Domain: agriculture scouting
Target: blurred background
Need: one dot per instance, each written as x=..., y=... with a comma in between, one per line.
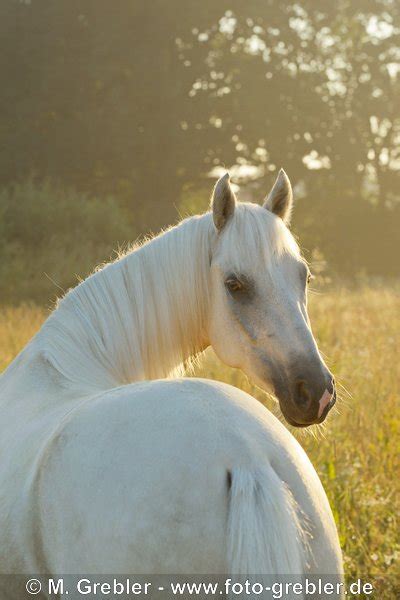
x=116, y=116
x=115, y=120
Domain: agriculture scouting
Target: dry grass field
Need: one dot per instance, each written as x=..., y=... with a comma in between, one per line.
x=357, y=453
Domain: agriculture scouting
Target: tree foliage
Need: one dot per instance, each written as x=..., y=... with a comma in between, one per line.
x=143, y=100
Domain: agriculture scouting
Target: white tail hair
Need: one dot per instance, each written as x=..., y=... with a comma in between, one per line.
x=267, y=533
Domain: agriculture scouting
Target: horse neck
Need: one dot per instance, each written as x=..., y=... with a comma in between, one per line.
x=141, y=317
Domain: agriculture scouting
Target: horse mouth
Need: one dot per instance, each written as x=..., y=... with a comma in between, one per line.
x=294, y=423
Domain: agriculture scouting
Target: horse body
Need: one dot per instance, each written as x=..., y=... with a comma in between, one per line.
x=103, y=471
x=125, y=480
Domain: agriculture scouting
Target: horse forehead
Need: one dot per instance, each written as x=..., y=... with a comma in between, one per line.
x=257, y=248
x=250, y=230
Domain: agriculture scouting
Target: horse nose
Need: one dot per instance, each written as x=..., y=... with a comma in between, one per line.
x=315, y=401
x=302, y=395
x=327, y=400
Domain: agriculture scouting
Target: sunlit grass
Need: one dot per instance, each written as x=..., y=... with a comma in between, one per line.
x=357, y=453
x=17, y=326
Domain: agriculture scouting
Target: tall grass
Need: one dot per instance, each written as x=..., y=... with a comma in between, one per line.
x=357, y=453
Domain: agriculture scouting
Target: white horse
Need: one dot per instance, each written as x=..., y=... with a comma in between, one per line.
x=104, y=471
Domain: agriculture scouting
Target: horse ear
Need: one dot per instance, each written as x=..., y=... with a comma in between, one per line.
x=223, y=202
x=280, y=198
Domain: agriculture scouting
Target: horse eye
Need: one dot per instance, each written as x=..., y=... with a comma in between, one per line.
x=233, y=284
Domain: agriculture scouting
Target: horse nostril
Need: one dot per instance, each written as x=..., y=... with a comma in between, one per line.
x=331, y=386
x=303, y=396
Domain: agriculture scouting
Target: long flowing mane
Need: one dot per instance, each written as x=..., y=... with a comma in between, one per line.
x=140, y=317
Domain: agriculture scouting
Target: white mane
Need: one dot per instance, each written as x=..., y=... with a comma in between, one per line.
x=144, y=316
x=140, y=317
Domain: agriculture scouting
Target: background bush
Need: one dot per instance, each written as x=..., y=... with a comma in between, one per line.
x=50, y=235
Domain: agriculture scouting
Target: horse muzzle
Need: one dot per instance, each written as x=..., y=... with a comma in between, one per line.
x=308, y=404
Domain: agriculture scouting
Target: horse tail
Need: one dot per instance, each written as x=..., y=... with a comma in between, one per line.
x=266, y=532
